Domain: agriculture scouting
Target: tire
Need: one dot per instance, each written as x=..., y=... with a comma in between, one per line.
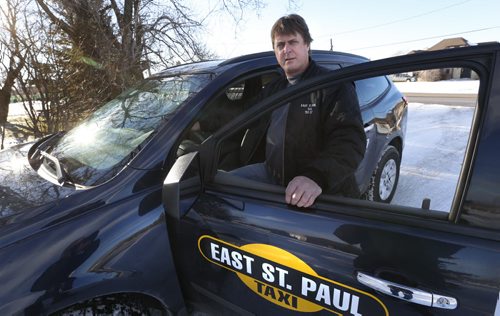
x=384, y=180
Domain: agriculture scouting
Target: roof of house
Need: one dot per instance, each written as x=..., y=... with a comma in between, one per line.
x=450, y=43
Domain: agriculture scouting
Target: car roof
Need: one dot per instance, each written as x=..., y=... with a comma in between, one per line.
x=259, y=59
x=318, y=55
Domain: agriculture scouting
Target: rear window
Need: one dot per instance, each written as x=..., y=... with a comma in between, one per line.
x=331, y=66
x=370, y=89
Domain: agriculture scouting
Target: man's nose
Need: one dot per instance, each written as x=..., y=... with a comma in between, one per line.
x=286, y=49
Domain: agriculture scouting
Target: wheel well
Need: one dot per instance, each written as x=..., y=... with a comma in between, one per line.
x=105, y=305
x=398, y=144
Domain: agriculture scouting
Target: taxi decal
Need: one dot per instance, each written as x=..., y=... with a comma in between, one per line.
x=285, y=280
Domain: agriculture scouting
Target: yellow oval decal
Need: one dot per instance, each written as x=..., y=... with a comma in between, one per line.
x=282, y=278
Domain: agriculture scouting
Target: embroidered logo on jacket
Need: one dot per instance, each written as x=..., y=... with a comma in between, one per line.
x=308, y=108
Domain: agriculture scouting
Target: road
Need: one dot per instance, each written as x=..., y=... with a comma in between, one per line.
x=461, y=92
x=459, y=99
x=436, y=139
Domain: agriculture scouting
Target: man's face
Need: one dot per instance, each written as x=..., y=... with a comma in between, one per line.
x=292, y=53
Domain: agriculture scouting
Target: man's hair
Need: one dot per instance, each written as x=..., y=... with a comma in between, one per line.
x=289, y=25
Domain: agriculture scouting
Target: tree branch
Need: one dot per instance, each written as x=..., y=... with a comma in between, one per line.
x=60, y=23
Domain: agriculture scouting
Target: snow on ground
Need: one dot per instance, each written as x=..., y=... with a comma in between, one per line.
x=17, y=109
x=436, y=138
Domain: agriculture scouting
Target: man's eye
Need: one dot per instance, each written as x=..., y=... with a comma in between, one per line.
x=280, y=46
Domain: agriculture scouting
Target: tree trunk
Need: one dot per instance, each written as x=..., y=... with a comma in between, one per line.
x=4, y=104
x=4, y=112
x=3, y=135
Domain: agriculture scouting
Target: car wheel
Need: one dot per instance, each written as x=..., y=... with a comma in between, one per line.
x=385, y=178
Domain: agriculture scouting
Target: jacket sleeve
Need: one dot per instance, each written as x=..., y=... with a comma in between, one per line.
x=343, y=139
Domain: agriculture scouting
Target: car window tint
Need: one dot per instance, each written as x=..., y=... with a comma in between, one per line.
x=370, y=89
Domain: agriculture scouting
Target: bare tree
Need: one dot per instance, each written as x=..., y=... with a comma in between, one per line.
x=12, y=58
x=44, y=81
x=122, y=39
x=82, y=53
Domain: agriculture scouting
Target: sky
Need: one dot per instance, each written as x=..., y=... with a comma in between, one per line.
x=372, y=28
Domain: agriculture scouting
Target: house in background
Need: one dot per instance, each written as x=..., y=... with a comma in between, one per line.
x=447, y=73
x=450, y=43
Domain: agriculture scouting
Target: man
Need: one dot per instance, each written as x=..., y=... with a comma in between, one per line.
x=315, y=143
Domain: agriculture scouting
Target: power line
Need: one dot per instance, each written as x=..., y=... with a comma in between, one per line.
x=401, y=20
x=426, y=38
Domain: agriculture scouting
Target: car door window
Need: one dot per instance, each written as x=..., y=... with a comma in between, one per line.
x=441, y=114
x=416, y=139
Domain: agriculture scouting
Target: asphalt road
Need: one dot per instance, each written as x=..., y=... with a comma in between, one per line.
x=458, y=99
x=436, y=140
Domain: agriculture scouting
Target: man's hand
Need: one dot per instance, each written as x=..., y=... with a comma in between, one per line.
x=302, y=191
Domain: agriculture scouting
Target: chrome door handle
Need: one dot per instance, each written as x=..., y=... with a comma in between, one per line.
x=407, y=293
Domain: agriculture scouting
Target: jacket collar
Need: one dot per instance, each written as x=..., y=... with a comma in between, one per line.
x=311, y=70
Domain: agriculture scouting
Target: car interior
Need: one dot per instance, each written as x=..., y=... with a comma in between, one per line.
x=222, y=109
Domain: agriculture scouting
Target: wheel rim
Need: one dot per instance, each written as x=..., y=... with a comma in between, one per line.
x=387, y=179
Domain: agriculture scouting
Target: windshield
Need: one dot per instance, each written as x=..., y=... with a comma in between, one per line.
x=101, y=145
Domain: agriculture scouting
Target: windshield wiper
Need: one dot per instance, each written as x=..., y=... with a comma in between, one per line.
x=61, y=174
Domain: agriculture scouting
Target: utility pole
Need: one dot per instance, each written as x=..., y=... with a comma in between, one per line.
x=331, y=44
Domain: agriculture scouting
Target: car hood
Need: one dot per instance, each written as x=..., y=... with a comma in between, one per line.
x=21, y=188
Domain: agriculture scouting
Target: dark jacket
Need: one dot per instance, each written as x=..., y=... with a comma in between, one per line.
x=324, y=139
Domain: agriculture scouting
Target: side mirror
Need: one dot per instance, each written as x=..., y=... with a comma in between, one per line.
x=182, y=186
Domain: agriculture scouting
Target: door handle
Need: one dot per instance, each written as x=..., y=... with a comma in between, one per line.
x=407, y=293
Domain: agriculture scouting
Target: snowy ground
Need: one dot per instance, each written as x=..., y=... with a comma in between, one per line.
x=17, y=109
x=436, y=139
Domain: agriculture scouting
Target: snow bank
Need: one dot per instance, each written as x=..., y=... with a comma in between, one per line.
x=17, y=109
